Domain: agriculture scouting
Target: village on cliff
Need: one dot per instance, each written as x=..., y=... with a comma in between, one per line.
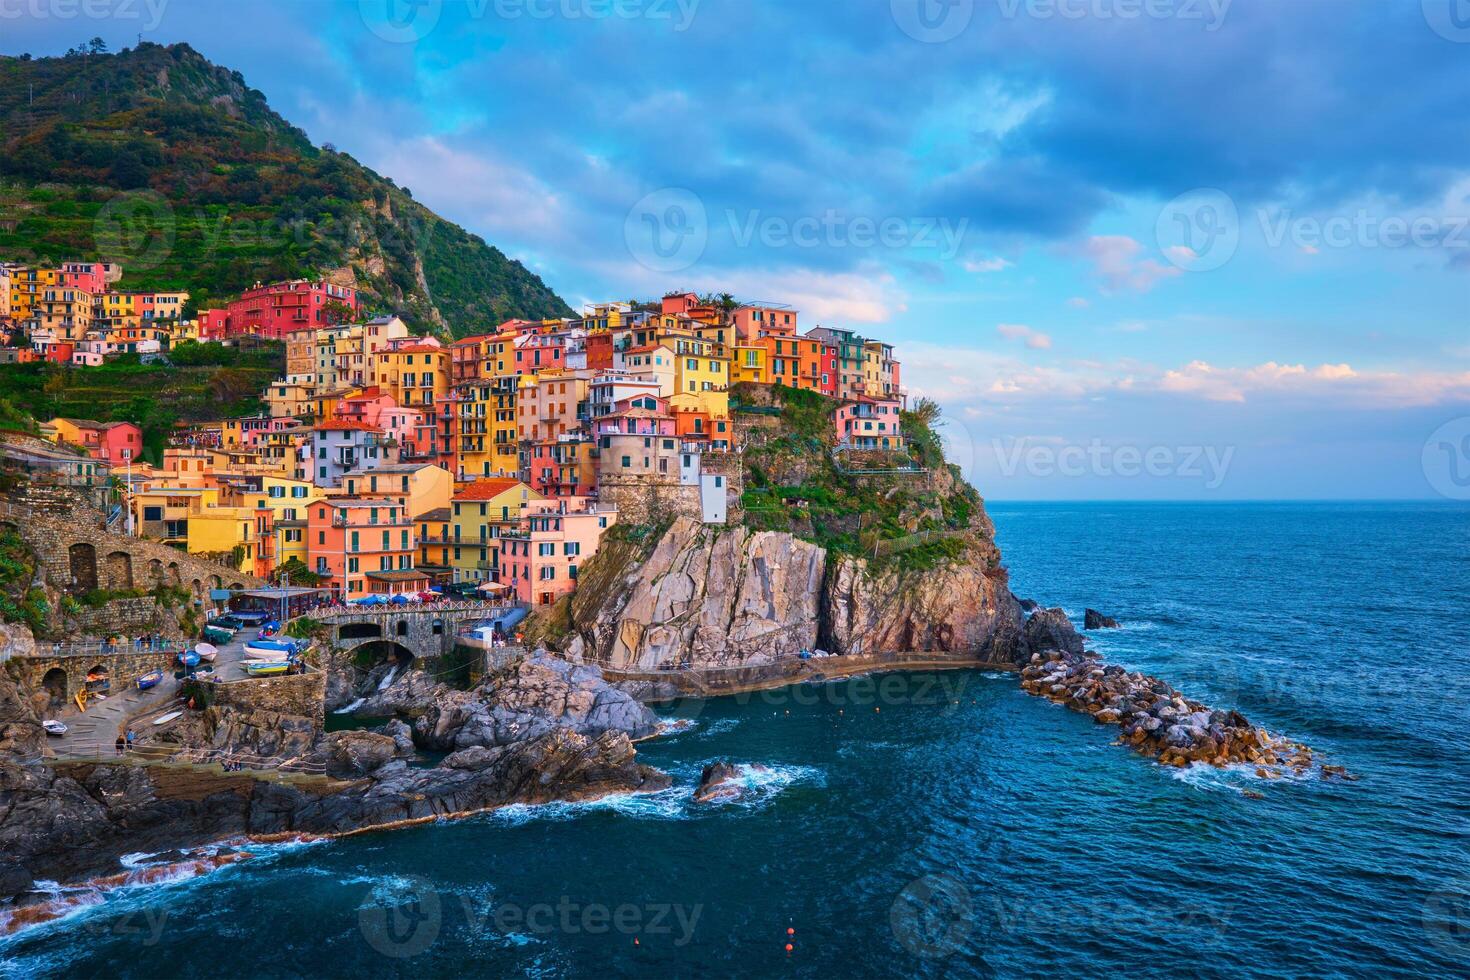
x=389, y=464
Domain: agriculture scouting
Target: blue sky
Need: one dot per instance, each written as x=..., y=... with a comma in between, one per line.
x=1135, y=248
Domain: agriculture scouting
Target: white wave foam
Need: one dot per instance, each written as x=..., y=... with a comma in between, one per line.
x=350, y=708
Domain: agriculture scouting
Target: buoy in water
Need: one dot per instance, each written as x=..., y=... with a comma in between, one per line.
x=790, y=931
x=789, y=947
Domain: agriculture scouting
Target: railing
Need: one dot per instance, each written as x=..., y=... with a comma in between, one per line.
x=98, y=648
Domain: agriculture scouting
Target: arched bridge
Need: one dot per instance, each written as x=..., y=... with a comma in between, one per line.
x=426, y=630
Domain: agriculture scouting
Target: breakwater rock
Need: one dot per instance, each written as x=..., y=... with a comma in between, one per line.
x=1158, y=720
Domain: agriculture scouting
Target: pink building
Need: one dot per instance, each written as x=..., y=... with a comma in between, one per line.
x=753, y=321
x=93, y=277
x=556, y=538
x=864, y=422
x=279, y=308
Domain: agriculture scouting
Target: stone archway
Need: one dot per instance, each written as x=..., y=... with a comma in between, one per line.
x=382, y=651
x=359, y=631
x=54, y=683
x=82, y=558
x=198, y=588
x=215, y=582
x=173, y=574
x=118, y=570
x=402, y=628
x=155, y=572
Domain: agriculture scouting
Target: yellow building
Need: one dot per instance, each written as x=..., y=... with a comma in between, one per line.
x=415, y=375
x=65, y=312
x=290, y=397
x=750, y=364
x=417, y=487
x=480, y=511
x=282, y=536
x=28, y=287
x=220, y=530
x=163, y=509
x=432, y=534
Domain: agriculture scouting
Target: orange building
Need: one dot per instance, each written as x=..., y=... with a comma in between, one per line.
x=363, y=546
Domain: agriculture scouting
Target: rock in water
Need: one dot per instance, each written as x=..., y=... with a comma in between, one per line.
x=1050, y=629
x=526, y=700
x=715, y=782
x=1094, y=620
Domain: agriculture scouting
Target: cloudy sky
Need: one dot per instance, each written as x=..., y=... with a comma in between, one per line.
x=1135, y=248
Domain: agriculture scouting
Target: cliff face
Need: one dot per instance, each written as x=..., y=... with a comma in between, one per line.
x=724, y=597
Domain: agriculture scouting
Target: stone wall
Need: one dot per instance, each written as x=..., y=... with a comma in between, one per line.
x=129, y=617
x=123, y=668
x=648, y=501
x=75, y=553
x=303, y=695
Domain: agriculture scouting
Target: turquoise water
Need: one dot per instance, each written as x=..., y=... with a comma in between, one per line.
x=964, y=828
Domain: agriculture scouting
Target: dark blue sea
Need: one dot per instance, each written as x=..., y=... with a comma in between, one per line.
x=951, y=825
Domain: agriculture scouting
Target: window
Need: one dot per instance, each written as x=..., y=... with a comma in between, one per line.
x=571, y=548
x=548, y=572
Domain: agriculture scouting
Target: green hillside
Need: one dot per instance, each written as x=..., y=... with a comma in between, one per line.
x=175, y=167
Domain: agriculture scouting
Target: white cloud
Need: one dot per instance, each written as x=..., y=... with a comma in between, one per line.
x=1117, y=260
x=1034, y=339
x=995, y=264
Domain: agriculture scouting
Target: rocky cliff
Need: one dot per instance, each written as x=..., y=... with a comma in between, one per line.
x=706, y=596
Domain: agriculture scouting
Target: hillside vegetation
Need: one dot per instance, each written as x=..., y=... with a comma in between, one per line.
x=175, y=167
x=205, y=381
x=794, y=483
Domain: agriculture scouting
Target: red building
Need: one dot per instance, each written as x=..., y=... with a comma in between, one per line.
x=278, y=309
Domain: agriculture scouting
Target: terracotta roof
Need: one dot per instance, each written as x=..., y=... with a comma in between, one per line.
x=346, y=425
x=487, y=489
x=420, y=349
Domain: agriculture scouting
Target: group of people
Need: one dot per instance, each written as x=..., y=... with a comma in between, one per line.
x=124, y=742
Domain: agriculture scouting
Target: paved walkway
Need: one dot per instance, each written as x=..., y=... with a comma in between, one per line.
x=94, y=732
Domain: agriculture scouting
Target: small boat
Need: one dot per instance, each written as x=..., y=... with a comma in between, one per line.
x=266, y=668
x=225, y=623
x=218, y=634
x=272, y=649
x=249, y=617
x=165, y=719
x=151, y=679
x=207, y=652
x=54, y=728
x=189, y=658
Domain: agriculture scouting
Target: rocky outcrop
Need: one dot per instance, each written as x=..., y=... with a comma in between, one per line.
x=526, y=700
x=731, y=597
x=716, y=782
x=1050, y=629
x=1094, y=620
x=958, y=608
x=711, y=596
x=1159, y=721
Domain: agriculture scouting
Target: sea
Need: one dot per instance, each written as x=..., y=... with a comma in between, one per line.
x=950, y=825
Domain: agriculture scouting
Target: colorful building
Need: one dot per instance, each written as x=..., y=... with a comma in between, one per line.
x=363, y=546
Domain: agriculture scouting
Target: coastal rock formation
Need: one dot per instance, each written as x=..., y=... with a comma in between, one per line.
x=1050, y=629
x=710, y=596
x=526, y=700
x=1155, y=718
x=716, y=782
x=1094, y=620
x=730, y=597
